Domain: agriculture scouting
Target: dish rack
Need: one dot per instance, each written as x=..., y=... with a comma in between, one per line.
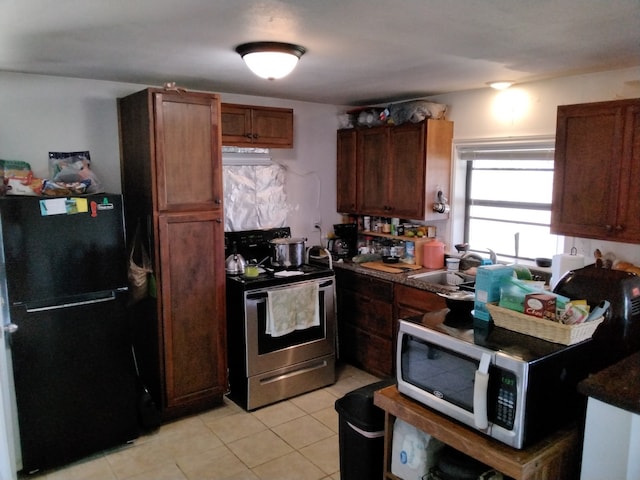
x=541, y=328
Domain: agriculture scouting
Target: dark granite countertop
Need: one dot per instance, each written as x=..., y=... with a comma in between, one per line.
x=401, y=278
x=617, y=385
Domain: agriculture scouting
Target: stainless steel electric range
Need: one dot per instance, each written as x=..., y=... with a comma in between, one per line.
x=280, y=325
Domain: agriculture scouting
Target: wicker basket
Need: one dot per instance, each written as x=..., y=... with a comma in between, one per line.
x=542, y=328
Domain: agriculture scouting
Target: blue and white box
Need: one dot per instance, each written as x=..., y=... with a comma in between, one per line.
x=488, y=280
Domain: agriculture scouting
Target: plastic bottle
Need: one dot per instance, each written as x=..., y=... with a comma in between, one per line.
x=433, y=254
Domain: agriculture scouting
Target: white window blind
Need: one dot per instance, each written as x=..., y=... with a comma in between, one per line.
x=508, y=197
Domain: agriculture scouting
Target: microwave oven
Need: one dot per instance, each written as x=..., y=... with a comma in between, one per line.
x=512, y=387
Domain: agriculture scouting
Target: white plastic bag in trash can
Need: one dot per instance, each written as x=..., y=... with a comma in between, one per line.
x=364, y=433
x=414, y=452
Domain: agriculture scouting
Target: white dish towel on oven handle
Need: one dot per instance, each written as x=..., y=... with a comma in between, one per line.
x=292, y=308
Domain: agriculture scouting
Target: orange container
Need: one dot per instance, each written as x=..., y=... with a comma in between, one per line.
x=433, y=254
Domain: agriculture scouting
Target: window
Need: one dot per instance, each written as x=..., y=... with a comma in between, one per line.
x=508, y=192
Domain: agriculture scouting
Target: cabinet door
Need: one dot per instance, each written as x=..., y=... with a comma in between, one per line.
x=346, y=172
x=586, y=176
x=187, y=153
x=411, y=301
x=193, y=307
x=373, y=171
x=627, y=227
x=407, y=173
x=236, y=124
x=272, y=127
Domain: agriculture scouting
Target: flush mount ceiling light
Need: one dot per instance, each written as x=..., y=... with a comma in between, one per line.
x=500, y=84
x=270, y=60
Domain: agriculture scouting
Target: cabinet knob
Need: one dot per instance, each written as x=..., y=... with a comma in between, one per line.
x=608, y=228
x=218, y=220
x=249, y=136
x=255, y=135
x=217, y=201
x=619, y=228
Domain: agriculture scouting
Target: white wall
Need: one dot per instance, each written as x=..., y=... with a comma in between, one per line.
x=39, y=114
x=530, y=110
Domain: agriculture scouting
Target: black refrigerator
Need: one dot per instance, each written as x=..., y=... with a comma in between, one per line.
x=64, y=268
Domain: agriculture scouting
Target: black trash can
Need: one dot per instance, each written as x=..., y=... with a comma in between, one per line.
x=361, y=433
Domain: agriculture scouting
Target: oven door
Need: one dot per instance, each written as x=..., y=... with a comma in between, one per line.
x=266, y=352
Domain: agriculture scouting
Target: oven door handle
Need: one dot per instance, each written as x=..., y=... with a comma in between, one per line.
x=263, y=294
x=480, y=388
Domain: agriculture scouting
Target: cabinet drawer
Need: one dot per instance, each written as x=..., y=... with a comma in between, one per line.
x=367, y=351
x=417, y=299
x=366, y=313
x=365, y=285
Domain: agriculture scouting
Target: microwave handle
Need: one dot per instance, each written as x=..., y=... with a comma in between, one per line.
x=480, y=387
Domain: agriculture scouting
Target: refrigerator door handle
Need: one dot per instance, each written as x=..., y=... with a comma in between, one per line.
x=110, y=298
x=10, y=328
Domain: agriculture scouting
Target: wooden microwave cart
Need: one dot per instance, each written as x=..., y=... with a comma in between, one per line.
x=553, y=458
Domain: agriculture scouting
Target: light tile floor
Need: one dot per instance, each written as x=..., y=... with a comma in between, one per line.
x=294, y=439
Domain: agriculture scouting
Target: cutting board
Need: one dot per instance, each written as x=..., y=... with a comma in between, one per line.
x=391, y=267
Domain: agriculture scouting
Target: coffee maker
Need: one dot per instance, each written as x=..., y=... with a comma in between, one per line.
x=345, y=243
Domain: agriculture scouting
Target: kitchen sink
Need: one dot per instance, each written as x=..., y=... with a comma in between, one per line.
x=440, y=277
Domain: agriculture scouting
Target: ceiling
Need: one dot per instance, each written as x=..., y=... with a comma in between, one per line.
x=359, y=52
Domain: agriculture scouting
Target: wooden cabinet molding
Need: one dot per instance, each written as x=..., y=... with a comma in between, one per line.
x=247, y=125
x=596, y=192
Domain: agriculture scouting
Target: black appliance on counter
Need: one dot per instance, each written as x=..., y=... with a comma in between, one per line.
x=345, y=245
x=619, y=335
x=265, y=368
x=64, y=282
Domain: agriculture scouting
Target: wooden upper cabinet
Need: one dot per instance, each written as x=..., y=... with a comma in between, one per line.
x=246, y=125
x=399, y=169
x=346, y=172
x=187, y=153
x=372, y=170
x=596, y=192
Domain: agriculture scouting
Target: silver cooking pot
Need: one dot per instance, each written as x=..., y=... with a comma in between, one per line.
x=287, y=252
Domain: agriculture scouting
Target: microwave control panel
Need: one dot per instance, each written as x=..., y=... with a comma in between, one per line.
x=505, y=407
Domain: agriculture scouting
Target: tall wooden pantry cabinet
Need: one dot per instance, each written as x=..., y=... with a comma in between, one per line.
x=172, y=184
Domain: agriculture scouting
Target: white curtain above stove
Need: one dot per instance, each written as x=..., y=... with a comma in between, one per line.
x=254, y=197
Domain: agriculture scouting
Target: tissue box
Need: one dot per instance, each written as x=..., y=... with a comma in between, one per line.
x=541, y=305
x=488, y=279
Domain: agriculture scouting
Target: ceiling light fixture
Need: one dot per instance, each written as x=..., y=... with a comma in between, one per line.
x=500, y=85
x=270, y=60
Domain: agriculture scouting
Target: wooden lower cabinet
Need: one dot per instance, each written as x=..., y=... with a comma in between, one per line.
x=365, y=322
x=556, y=457
x=411, y=301
x=193, y=299
x=368, y=313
